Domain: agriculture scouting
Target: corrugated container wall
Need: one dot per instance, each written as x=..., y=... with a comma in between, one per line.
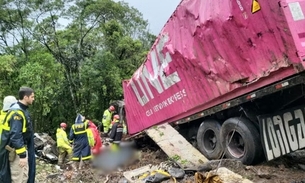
x=211, y=51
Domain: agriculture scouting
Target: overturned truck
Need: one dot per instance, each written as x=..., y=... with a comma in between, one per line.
x=228, y=75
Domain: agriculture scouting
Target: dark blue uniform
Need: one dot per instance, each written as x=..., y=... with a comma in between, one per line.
x=17, y=133
x=78, y=135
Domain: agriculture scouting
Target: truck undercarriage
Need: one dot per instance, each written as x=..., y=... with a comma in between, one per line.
x=270, y=123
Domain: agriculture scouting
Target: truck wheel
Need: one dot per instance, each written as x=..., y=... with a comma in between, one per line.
x=208, y=139
x=245, y=144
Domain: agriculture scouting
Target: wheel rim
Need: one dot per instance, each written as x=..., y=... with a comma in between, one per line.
x=209, y=140
x=236, y=146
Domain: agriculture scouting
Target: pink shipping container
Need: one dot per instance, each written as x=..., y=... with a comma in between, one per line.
x=212, y=51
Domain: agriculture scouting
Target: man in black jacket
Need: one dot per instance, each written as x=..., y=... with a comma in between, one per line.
x=18, y=138
x=116, y=133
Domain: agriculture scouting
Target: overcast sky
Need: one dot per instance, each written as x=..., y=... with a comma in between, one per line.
x=157, y=12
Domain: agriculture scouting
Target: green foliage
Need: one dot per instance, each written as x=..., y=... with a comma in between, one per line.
x=7, y=69
x=73, y=68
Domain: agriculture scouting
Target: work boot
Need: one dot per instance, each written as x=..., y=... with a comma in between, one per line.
x=61, y=158
x=60, y=161
x=81, y=164
x=69, y=159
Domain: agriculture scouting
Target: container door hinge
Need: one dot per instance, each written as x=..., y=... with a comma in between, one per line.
x=282, y=4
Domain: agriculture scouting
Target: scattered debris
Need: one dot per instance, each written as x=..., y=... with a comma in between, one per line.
x=150, y=158
x=123, y=180
x=52, y=176
x=302, y=181
x=176, y=172
x=302, y=166
x=282, y=167
x=107, y=178
x=155, y=176
x=45, y=147
x=133, y=175
x=227, y=176
x=265, y=175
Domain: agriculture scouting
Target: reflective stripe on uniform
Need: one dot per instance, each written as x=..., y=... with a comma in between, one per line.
x=86, y=157
x=119, y=130
x=6, y=126
x=2, y=117
x=80, y=128
x=21, y=150
x=83, y=158
x=75, y=158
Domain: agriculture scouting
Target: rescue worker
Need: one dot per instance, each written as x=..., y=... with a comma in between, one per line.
x=8, y=101
x=63, y=144
x=116, y=118
x=17, y=154
x=107, y=119
x=116, y=133
x=98, y=143
x=82, y=141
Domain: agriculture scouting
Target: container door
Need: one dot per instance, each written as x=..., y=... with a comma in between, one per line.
x=295, y=15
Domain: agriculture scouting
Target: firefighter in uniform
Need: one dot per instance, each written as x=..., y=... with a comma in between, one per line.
x=82, y=139
x=116, y=133
x=116, y=118
x=17, y=153
x=63, y=144
x=107, y=119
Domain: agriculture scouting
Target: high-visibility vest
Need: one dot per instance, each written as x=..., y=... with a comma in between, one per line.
x=62, y=139
x=82, y=128
x=116, y=121
x=5, y=125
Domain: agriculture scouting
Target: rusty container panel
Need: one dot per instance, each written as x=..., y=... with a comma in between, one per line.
x=211, y=51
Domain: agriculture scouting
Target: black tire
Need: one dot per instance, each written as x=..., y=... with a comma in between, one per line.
x=208, y=139
x=245, y=144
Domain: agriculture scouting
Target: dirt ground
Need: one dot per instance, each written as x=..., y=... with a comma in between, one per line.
x=288, y=169
x=49, y=173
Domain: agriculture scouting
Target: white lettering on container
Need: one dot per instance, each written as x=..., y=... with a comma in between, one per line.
x=158, y=77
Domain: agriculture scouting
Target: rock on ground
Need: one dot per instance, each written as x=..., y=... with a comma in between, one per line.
x=227, y=176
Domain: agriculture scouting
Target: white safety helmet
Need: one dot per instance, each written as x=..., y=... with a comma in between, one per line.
x=8, y=101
